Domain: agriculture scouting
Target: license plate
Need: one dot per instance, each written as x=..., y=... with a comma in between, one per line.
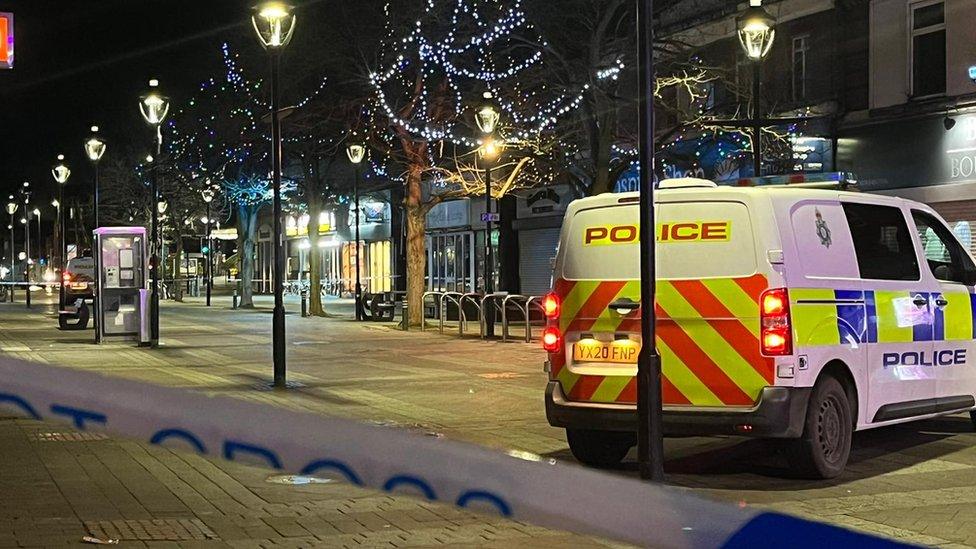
x=621, y=352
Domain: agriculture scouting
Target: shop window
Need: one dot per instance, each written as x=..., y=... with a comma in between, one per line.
x=882, y=242
x=928, y=43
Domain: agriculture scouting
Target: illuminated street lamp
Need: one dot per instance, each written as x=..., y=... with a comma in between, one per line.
x=154, y=107
x=11, y=210
x=356, y=152
x=25, y=192
x=756, y=35
x=61, y=173
x=487, y=116
x=487, y=119
x=208, y=196
x=95, y=149
x=274, y=24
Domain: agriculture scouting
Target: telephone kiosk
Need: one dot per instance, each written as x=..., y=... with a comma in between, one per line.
x=121, y=288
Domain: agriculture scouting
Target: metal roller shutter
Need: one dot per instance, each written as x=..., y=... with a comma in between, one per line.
x=537, y=249
x=958, y=214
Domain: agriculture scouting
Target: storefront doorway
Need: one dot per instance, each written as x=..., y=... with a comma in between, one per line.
x=451, y=262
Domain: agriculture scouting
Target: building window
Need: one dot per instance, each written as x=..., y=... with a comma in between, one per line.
x=800, y=48
x=928, y=44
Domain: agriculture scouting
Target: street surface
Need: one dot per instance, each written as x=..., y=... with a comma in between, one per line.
x=916, y=482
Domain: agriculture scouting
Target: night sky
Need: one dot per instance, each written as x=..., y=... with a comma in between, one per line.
x=85, y=62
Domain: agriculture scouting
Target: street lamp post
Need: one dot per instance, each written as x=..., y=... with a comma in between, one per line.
x=650, y=434
x=756, y=35
x=94, y=149
x=25, y=192
x=487, y=119
x=61, y=173
x=208, y=196
x=11, y=210
x=154, y=108
x=356, y=152
x=40, y=244
x=274, y=24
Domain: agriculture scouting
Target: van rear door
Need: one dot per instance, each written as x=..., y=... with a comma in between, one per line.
x=708, y=305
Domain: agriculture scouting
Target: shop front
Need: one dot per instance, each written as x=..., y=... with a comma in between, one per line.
x=926, y=159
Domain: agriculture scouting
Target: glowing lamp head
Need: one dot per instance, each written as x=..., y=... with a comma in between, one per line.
x=37, y=211
x=22, y=256
x=487, y=116
x=274, y=24
x=356, y=152
x=61, y=173
x=756, y=32
x=94, y=147
x=55, y=203
x=12, y=207
x=162, y=206
x=491, y=149
x=208, y=195
x=154, y=106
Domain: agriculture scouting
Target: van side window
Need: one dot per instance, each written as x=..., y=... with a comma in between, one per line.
x=882, y=242
x=946, y=258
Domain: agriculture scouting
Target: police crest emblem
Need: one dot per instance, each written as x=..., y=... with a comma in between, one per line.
x=823, y=231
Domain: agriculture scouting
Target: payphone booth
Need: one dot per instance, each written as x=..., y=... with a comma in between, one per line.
x=121, y=274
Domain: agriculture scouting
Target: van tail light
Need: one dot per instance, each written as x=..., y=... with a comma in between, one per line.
x=776, y=337
x=551, y=305
x=552, y=339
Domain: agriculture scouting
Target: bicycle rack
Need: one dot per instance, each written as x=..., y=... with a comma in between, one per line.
x=452, y=297
x=524, y=304
x=492, y=301
x=438, y=298
x=474, y=299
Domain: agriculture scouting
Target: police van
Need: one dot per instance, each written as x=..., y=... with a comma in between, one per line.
x=782, y=312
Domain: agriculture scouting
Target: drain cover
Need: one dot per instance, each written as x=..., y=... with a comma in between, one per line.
x=297, y=480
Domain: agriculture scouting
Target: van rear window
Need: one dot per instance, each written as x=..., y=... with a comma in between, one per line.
x=694, y=240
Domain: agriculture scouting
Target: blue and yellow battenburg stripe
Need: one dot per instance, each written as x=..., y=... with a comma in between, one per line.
x=824, y=316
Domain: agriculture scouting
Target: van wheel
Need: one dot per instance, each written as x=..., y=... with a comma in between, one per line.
x=599, y=448
x=823, y=449
x=81, y=319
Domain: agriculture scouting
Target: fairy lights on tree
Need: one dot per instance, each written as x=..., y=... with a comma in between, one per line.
x=424, y=98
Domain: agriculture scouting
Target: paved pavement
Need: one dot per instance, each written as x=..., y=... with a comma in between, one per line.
x=915, y=482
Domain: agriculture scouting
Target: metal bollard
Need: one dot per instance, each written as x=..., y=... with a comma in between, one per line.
x=235, y=298
x=406, y=317
x=27, y=290
x=304, y=303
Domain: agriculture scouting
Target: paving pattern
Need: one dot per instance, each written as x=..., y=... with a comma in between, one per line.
x=915, y=482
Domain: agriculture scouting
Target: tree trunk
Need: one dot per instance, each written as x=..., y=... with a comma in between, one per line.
x=313, y=196
x=416, y=213
x=178, y=271
x=247, y=228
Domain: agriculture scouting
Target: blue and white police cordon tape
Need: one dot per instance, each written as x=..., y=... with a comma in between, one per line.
x=548, y=494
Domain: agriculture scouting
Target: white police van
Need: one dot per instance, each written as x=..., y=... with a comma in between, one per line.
x=783, y=312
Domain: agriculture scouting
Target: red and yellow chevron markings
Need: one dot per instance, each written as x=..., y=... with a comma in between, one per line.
x=707, y=336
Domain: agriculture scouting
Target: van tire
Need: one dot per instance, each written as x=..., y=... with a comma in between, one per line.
x=599, y=448
x=825, y=446
x=81, y=319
